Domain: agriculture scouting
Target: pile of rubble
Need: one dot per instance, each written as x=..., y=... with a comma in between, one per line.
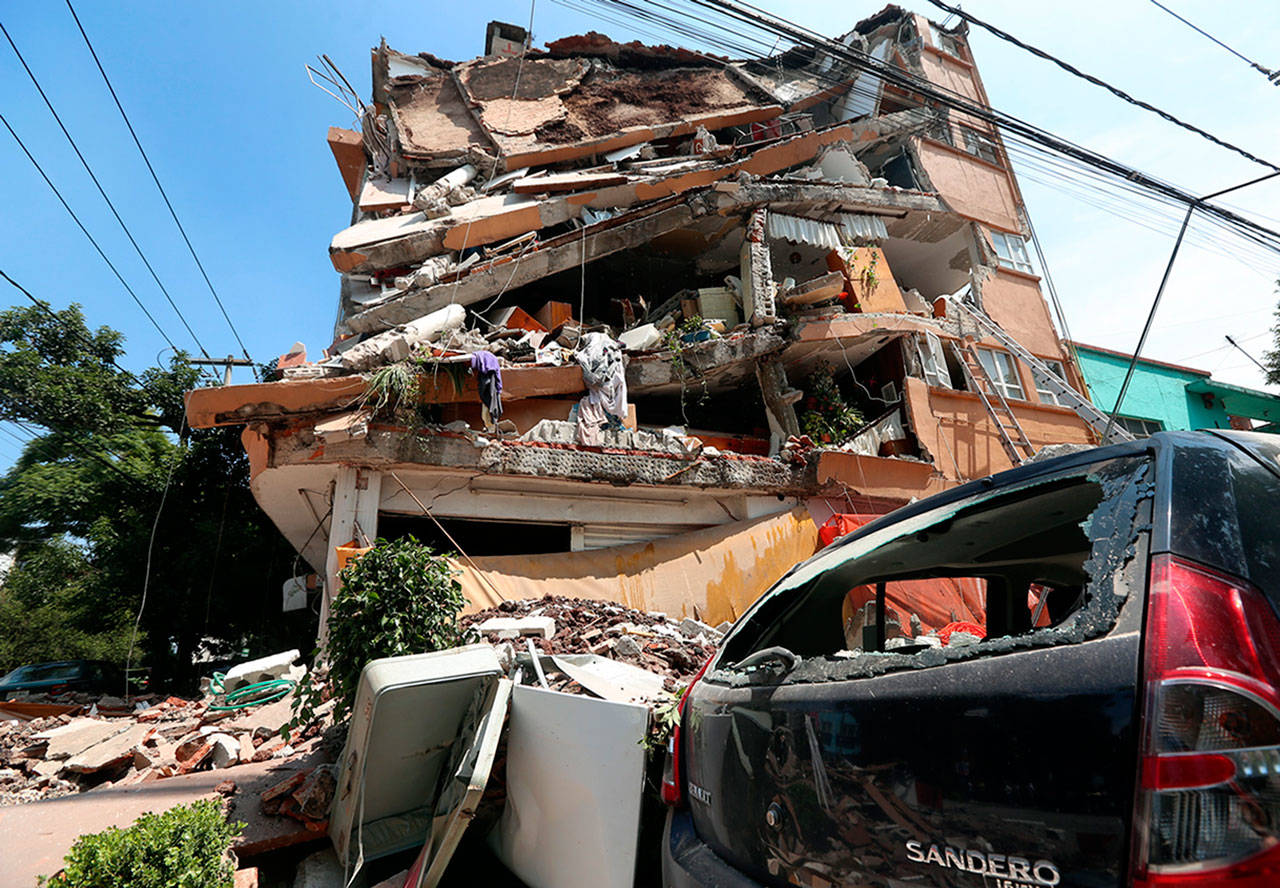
x=71, y=743
x=64, y=754
x=673, y=649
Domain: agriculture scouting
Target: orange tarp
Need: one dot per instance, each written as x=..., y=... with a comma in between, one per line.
x=713, y=574
x=936, y=601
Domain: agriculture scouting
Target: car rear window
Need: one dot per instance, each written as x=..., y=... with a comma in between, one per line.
x=1257, y=496
x=45, y=672
x=1036, y=563
x=1225, y=510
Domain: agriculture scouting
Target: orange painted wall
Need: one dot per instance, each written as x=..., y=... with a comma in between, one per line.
x=959, y=433
x=1017, y=305
x=972, y=188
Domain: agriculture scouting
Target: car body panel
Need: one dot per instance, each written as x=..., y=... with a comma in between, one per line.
x=950, y=775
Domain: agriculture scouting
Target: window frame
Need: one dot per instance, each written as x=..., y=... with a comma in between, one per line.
x=976, y=141
x=1011, y=251
x=1128, y=423
x=1046, y=396
x=1010, y=385
x=933, y=360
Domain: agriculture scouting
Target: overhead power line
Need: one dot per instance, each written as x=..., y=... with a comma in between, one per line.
x=88, y=169
x=80, y=224
x=929, y=92
x=1088, y=183
x=45, y=307
x=1273, y=76
x=1097, y=81
x=155, y=178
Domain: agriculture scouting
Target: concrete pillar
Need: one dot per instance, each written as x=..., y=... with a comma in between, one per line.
x=357, y=493
x=757, y=272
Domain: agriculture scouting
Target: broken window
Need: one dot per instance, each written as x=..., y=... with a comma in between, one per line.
x=1044, y=562
x=981, y=145
x=933, y=360
x=1045, y=394
x=1003, y=371
x=940, y=128
x=900, y=173
x=1140, y=428
x=1011, y=251
x=948, y=44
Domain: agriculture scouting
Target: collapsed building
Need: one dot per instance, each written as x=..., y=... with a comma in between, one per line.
x=630, y=322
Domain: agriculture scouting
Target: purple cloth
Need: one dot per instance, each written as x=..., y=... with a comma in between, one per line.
x=485, y=362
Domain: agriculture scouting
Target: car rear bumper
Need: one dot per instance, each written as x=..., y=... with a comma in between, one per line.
x=688, y=862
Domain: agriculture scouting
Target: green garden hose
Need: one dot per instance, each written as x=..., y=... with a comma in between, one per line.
x=249, y=695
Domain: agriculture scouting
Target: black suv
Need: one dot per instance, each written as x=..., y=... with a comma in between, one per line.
x=1065, y=674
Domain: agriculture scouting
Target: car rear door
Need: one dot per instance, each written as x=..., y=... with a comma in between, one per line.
x=1007, y=761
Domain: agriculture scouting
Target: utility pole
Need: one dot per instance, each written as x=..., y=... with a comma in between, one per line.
x=1155, y=304
x=1247, y=355
x=228, y=362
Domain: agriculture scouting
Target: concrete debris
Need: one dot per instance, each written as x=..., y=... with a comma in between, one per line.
x=264, y=669
x=652, y=642
x=151, y=738
x=320, y=870
x=226, y=750
x=514, y=627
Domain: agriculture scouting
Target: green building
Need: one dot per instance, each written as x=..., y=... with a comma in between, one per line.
x=1165, y=396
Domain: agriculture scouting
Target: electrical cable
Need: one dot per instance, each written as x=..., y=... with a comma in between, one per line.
x=1001, y=138
x=129, y=234
x=891, y=74
x=80, y=224
x=155, y=178
x=1097, y=81
x=44, y=306
x=1273, y=76
x=151, y=542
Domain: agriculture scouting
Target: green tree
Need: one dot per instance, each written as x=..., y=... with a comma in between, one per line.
x=113, y=465
x=1272, y=358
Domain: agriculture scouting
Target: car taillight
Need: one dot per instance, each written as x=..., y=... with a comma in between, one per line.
x=1208, y=808
x=673, y=774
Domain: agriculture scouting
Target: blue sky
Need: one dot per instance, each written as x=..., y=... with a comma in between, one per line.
x=220, y=100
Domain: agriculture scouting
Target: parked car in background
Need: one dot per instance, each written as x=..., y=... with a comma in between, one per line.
x=89, y=676
x=1065, y=674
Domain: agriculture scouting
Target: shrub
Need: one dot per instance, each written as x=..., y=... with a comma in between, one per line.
x=185, y=847
x=828, y=419
x=398, y=598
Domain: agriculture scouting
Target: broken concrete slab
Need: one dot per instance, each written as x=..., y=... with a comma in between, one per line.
x=226, y=750
x=109, y=752
x=79, y=735
x=209, y=407
x=610, y=679
x=561, y=253
x=396, y=345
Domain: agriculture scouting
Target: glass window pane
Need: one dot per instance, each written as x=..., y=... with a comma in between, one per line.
x=1046, y=396
x=1011, y=251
